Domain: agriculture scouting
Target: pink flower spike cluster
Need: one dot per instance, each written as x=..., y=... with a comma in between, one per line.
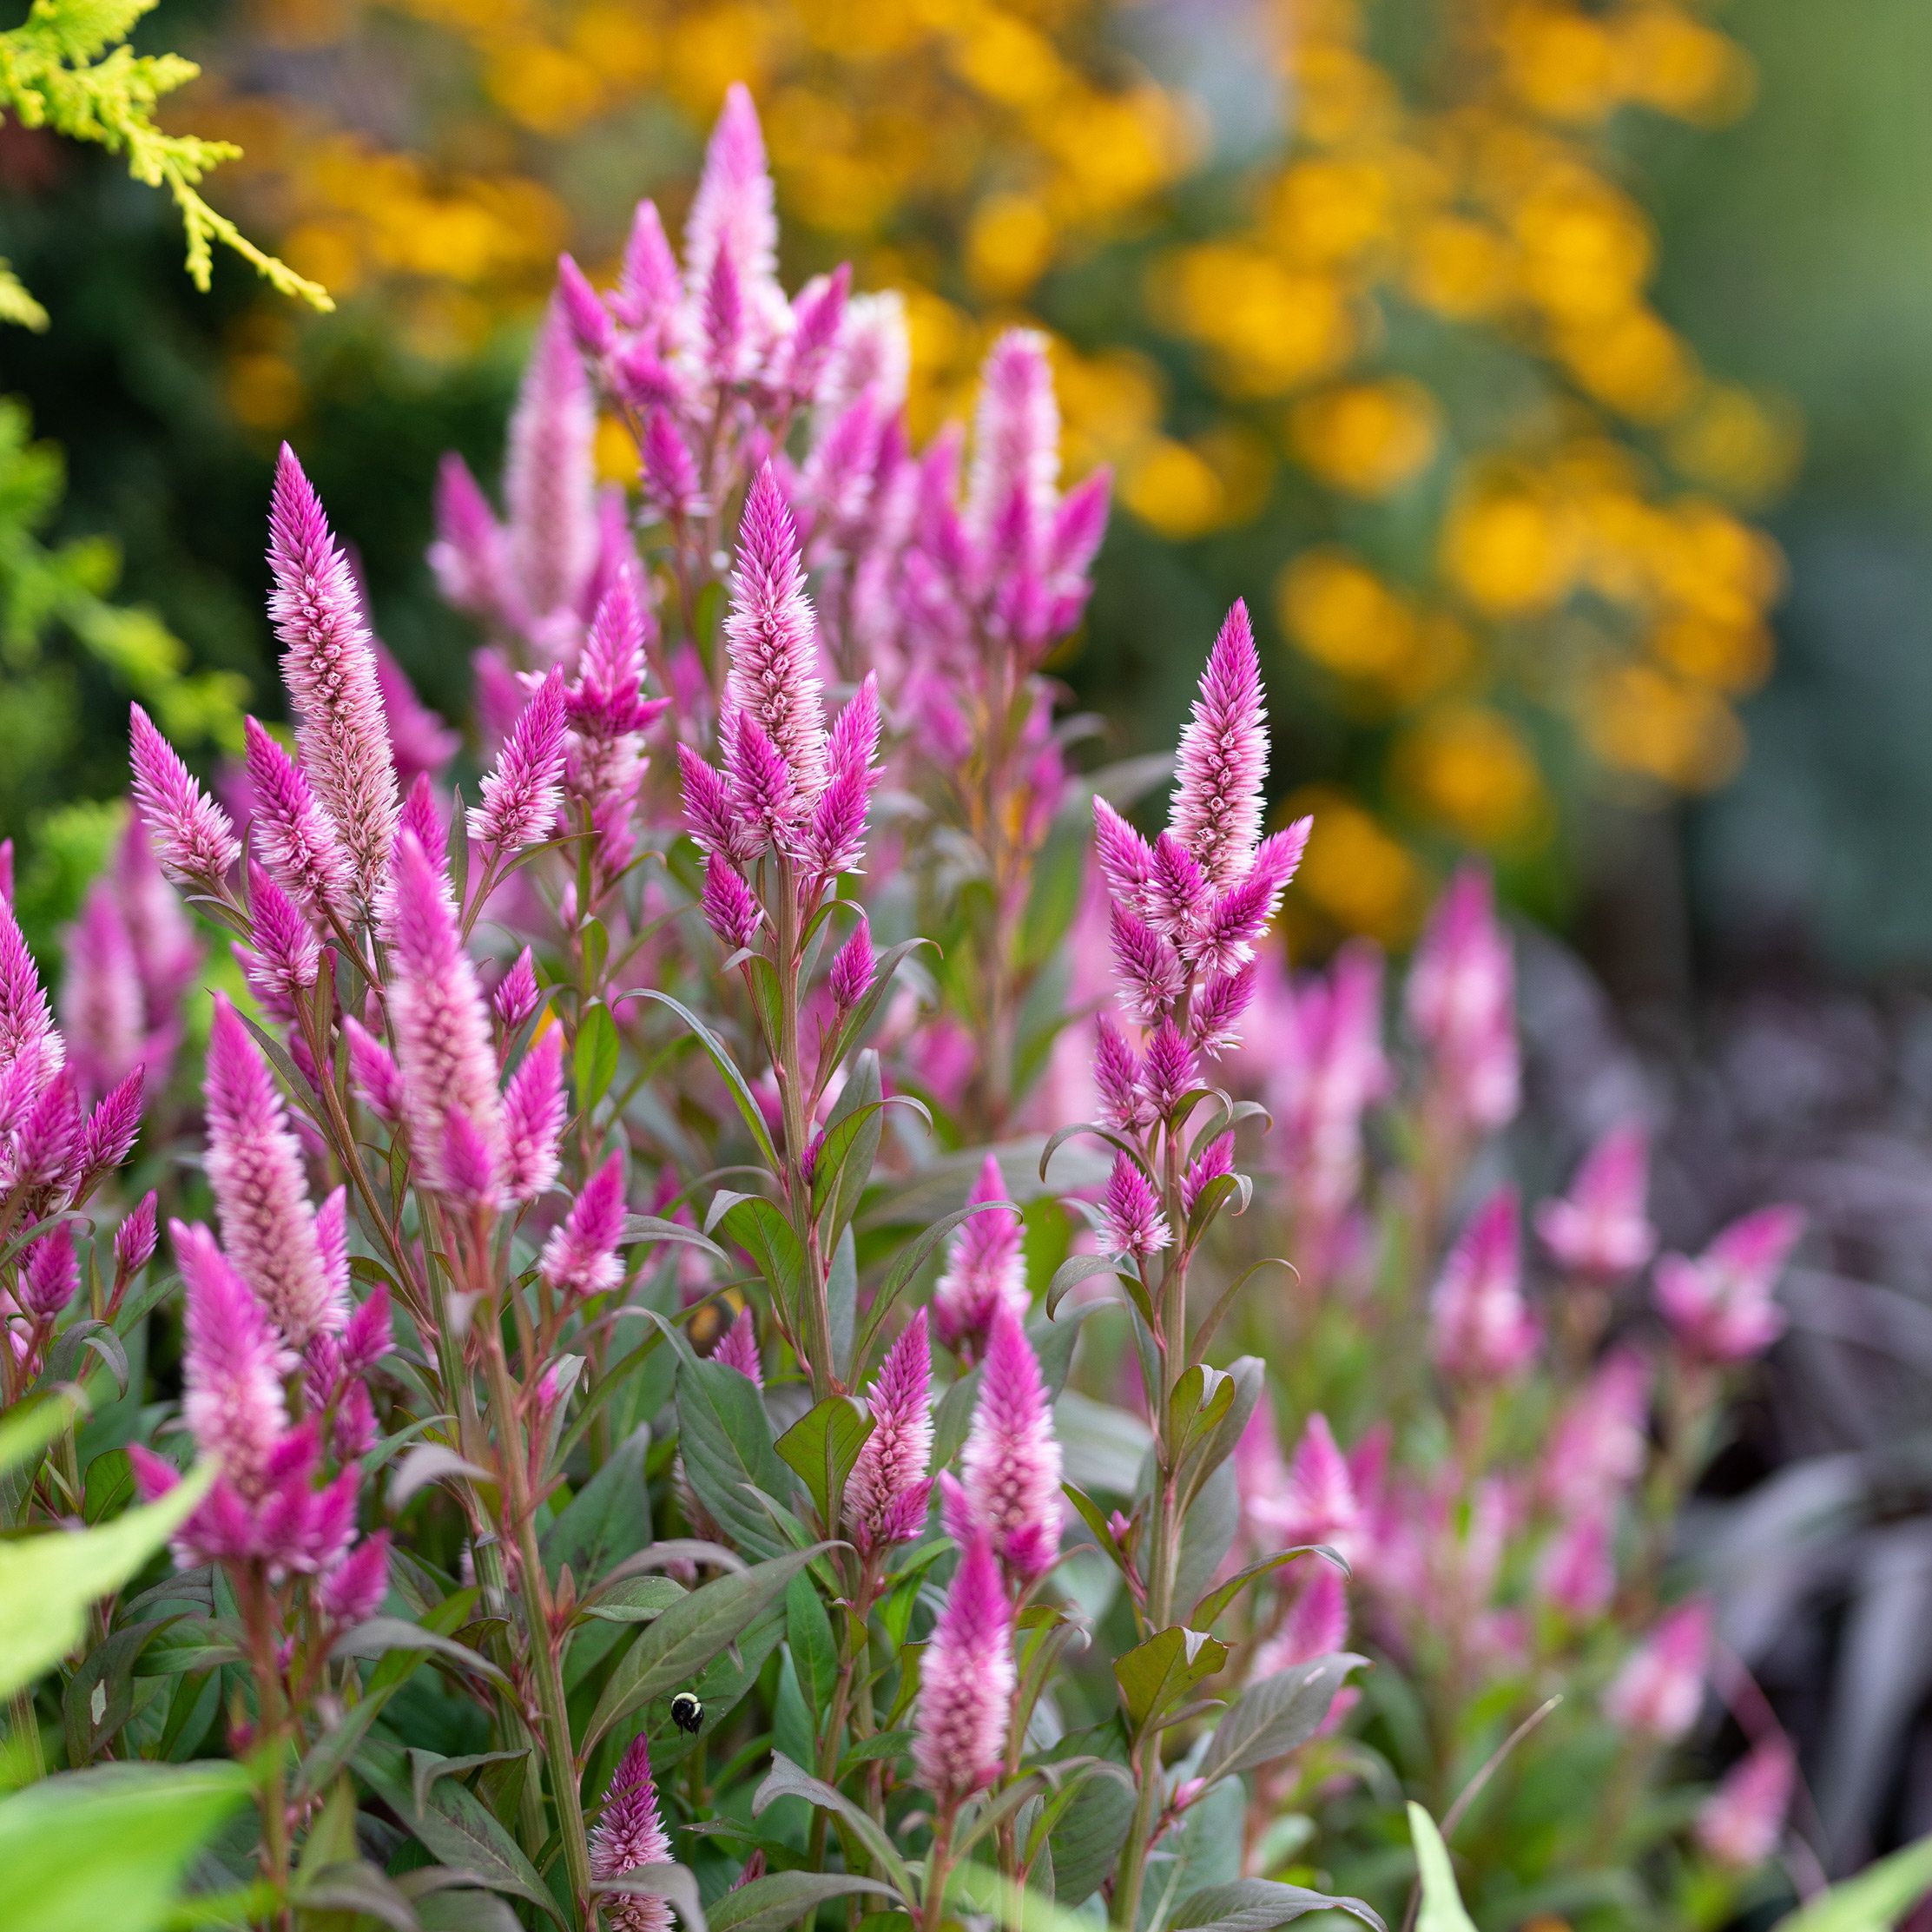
x=986, y=1271
x=967, y=1681
x=1599, y=1230
x=1008, y=1491
x=1462, y=1007
x=1481, y=1331
x=630, y=1832
x=887, y=1494
x=1720, y=1306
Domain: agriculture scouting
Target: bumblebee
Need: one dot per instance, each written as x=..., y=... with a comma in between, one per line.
x=687, y=1713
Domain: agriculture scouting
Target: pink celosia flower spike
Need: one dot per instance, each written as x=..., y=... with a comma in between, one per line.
x=1721, y=1307
x=192, y=836
x=1482, y=1332
x=1318, y=1502
x=442, y=1031
x=549, y=474
x=330, y=670
x=533, y=1112
x=298, y=844
x=582, y=1256
x=966, y=1686
x=30, y=1047
x=773, y=636
x=1598, y=1447
x=1016, y=440
x=1660, y=1691
x=469, y=557
x=520, y=794
x=1010, y=1469
x=254, y=1166
x=737, y=1347
x=630, y=1833
x=109, y=1133
x=101, y=1011
x=233, y=1366
x=517, y=996
x=1223, y=759
x=733, y=213
x=1600, y=1230
x=986, y=1270
x=1132, y=1222
x=1462, y=996
x=887, y=1494
x=1741, y=1822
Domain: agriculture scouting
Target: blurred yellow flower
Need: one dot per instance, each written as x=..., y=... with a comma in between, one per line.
x=1345, y=617
x=1356, y=871
x=1467, y=769
x=1510, y=549
x=1640, y=719
x=1366, y=438
x=1009, y=244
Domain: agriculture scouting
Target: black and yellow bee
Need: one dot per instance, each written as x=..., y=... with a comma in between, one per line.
x=687, y=1713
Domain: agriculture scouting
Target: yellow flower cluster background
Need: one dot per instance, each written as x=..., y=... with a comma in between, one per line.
x=1396, y=356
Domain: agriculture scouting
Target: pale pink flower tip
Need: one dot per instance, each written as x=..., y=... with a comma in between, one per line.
x=887, y=1494
x=1741, y=1822
x=191, y=833
x=737, y=1347
x=1223, y=758
x=1600, y=1230
x=986, y=1270
x=855, y=968
x=1482, y=1332
x=582, y=1257
x=967, y=1682
x=300, y=846
x=1016, y=443
x=1010, y=1469
x=732, y=213
x=517, y=997
x=1578, y=1575
x=521, y=792
x=254, y=1165
x=1598, y=1449
x=233, y=1365
x=628, y=1833
x=352, y=1592
x=1318, y=1502
x=133, y=1240
x=1660, y=1691
x=1721, y=1307
x=1134, y=1224
x=330, y=671
x=533, y=1113
x=1461, y=995
x=549, y=475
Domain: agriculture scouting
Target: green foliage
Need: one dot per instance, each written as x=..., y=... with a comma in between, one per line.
x=67, y=68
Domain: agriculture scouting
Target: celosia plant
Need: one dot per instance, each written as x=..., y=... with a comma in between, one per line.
x=573, y=1521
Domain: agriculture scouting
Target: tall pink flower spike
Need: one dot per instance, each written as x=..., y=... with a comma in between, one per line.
x=192, y=836
x=329, y=668
x=737, y=1349
x=1660, y=1691
x=887, y=1494
x=233, y=1365
x=1462, y=996
x=628, y=1833
x=1721, y=1307
x=549, y=476
x=1010, y=1469
x=1601, y=1230
x=1482, y=1331
x=967, y=1682
x=298, y=842
x=582, y=1256
x=1742, y=1823
x=1223, y=759
x=986, y=1270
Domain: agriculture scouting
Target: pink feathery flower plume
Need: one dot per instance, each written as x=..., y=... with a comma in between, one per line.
x=583, y=1254
x=101, y=1012
x=109, y=1133
x=233, y=1365
x=330, y=670
x=1316, y=1501
x=469, y=557
x=1578, y=1575
x=254, y=1166
x=192, y=836
x=1223, y=759
x=517, y=997
x=1010, y=1469
x=1016, y=442
x=1462, y=996
x=441, y=1027
x=886, y=1493
x=521, y=792
x=300, y=846
x=533, y=1114
x=737, y=1347
x=733, y=213
x=418, y=740
x=628, y=1833
x=986, y=1270
x=1741, y=1822
x=772, y=638
x=1721, y=1307
x=549, y=475
x=28, y=1039
x=285, y=961
x=1660, y=1691
x=1481, y=1331
x=967, y=1682
x=166, y=954
x=1598, y=1449
x=608, y=715
x=1131, y=1221
x=1600, y=1230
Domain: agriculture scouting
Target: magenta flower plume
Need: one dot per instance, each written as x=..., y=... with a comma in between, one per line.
x=51, y=1273
x=854, y=967
x=133, y=1240
x=1317, y=1501
x=46, y=1154
x=1223, y=758
x=967, y=1681
x=517, y=997
x=282, y=965
x=521, y=792
x=733, y=212
x=985, y=1272
x=648, y=288
x=1016, y=440
x=232, y=1367
x=1598, y=1447
x=590, y=324
x=102, y=1014
x=630, y=1833
x=300, y=846
x=1741, y=1822
x=352, y=1592
x=1461, y=997
x=886, y=1493
x=773, y=636
x=549, y=474
x=254, y=1165
x=764, y=794
x=1721, y=1307
x=533, y=1111
x=330, y=670
x=422, y=819
x=582, y=1256
x=191, y=833
x=1601, y=1230
x=1481, y=1331
x=109, y=1136
x=1010, y=1469
x=1660, y=1691
x=378, y=1080
x=1131, y=1221
x=418, y=740
x=28, y=1037
x=1578, y=1575
x=1145, y=964
x=469, y=557
x=728, y=907
x=441, y=1027
x=711, y=812
x=737, y=1347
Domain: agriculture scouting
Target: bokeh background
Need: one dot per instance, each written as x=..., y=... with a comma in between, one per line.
x=1554, y=376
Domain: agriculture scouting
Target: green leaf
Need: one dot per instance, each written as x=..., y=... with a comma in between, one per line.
x=1260, y=1904
x=634, y=1600
x=1272, y=1718
x=109, y=1846
x=1155, y=1675
x=677, y=1883
x=32, y=1425
x=786, y=1779
x=741, y=1089
x=726, y=1438
x=1072, y=1271
x=1877, y=1898
x=607, y=1520
x=595, y=1062
x=1086, y=1840
x=760, y=1228
x=843, y=1164
x=673, y=1649
x=1211, y=1606
x=814, y=1651
x=781, y=1898
x=48, y=1582
x=1442, y=1909
x=822, y=1446
x=382, y=1635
